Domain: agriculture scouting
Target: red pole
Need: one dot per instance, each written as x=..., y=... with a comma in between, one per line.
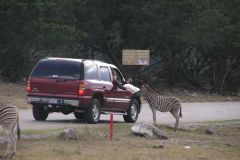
x=111, y=126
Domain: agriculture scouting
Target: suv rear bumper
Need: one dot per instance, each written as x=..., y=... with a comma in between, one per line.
x=53, y=101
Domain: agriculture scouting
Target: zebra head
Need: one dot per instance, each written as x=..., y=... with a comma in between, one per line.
x=146, y=89
x=142, y=90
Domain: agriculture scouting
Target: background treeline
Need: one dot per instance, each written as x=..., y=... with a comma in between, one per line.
x=196, y=42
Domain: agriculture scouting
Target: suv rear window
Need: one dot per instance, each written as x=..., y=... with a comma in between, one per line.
x=57, y=69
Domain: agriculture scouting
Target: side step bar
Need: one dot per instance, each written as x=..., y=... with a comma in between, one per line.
x=104, y=112
x=115, y=113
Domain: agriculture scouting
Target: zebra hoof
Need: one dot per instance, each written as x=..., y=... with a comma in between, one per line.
x=8, y=156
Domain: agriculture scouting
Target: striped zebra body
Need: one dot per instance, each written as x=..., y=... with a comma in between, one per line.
x=162, y=104
x=8, y=121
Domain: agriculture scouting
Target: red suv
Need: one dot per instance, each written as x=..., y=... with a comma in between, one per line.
x=86, y=88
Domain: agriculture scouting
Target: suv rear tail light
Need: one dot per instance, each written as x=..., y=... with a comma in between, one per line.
x=28, y=87
x=81, y=91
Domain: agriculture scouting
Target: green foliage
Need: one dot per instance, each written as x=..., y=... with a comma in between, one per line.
x=191, y=41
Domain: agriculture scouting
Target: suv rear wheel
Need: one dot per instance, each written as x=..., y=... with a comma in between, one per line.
x=92, y=114
x=132, y=112
x=39, y=112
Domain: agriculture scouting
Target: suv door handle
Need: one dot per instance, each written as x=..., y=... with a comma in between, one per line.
x=61, y=80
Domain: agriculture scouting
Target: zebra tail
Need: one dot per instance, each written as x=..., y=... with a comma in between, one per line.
x=180, y=114
x=18, y=128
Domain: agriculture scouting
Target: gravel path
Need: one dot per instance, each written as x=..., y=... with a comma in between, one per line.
x=192, y=112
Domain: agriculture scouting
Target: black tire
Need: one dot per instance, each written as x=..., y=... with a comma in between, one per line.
x=132, y=112
x=92, y=114
x=39, y=113
x=79, y=115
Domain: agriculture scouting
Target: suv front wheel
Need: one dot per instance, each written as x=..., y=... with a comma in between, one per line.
x=39, y=112
x=92, y=114
x=132, y=112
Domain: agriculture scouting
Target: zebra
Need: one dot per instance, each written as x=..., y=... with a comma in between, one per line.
x=8, y=120
x=162, y=104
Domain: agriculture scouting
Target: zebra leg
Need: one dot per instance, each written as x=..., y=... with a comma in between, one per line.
x=13, y=147
x=9, y=145
x=176, y=116
x=154, y=117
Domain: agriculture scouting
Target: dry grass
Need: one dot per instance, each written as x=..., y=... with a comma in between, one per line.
x=95, y=145
x=197, y=96
x=14, y=93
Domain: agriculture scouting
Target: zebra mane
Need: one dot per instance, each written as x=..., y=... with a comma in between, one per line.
x=151, y=90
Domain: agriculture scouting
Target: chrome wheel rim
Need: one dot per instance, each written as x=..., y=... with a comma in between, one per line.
x=133, y=111
x=95, y=112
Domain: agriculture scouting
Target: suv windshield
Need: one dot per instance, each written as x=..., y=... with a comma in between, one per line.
x=57, y=69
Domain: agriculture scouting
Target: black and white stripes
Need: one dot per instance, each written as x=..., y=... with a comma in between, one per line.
x=162, y=104
x=8, y=121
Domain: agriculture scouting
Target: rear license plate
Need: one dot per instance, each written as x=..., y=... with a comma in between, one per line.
x=52, y=101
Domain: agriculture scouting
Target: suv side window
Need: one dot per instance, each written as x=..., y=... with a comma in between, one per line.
x=91, y=71
x=104, y=74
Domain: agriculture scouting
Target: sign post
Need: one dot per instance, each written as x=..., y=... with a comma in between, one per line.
x=111, y=127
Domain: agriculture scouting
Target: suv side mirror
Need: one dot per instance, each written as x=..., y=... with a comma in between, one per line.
x=114, y=82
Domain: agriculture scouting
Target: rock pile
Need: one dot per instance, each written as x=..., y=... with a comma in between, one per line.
x=147, y=130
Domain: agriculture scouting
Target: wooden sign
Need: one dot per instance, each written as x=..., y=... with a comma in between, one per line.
x=135, y=57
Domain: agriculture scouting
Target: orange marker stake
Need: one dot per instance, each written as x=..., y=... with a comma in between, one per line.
x=111, y=127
